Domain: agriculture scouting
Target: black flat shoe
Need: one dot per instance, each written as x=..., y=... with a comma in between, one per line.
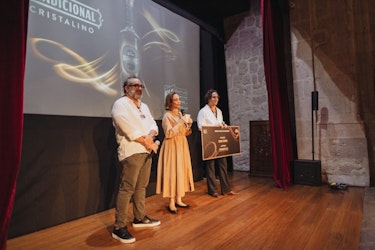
x=172, y=211
x=216, y=195
x=186, y=206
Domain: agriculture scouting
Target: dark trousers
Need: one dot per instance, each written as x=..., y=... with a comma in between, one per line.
x=222, y=173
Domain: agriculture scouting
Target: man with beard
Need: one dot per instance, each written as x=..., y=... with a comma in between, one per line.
x=135, y=130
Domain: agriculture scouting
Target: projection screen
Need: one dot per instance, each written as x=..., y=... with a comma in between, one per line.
x=80, y=52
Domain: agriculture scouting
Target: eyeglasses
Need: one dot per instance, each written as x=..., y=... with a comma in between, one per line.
x=137, y=86
x=215, y=97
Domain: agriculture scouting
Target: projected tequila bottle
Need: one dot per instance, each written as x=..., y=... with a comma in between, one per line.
x=129, y=54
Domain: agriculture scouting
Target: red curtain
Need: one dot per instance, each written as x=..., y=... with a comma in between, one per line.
x=13, y=48
x=275, y=72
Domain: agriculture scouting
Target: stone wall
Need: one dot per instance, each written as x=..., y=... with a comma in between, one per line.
x=324, y=58
x=247, y=91
x=325, y=36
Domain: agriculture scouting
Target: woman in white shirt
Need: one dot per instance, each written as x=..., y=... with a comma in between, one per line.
x=211, y=115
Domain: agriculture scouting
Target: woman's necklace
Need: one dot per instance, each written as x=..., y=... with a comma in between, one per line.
x=175, y=113
x=214, y=111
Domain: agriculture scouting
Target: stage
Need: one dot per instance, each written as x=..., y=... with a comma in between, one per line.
x=261, y=216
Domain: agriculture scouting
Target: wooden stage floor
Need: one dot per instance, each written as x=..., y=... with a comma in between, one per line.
x=261, y=216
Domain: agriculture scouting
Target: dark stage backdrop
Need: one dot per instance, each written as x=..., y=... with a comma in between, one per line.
x=69, y=169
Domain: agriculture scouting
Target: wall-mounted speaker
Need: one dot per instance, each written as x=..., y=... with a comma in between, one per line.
x=307, y=172
x=314, y=100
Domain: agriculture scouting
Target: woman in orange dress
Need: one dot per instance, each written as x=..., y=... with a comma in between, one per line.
x=174, y=173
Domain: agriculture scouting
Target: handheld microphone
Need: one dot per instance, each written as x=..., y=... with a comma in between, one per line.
x=157, y=142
